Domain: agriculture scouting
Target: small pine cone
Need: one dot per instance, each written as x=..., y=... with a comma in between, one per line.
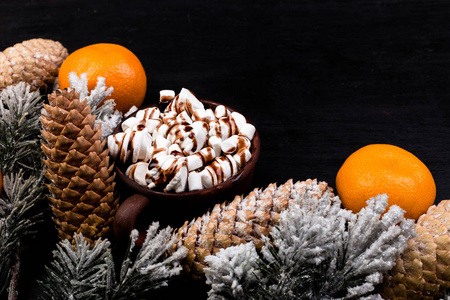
x=35, y=61
x=241, y=221
x=77, y=165
x=423, y=270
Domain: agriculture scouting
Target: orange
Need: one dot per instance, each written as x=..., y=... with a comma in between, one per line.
x=120, y=67
x=380, y=168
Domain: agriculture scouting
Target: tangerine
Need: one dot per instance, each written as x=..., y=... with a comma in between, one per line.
x=120, y=67
x=381, y=168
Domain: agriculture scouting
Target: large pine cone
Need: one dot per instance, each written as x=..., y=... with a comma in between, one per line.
x=77, y=165
x=243, y=220
x=35, y=61
x=423, y=270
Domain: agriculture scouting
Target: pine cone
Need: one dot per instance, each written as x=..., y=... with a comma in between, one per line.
x=243, y=220
x=423, y=270
x=77, y=165
x=35, y=61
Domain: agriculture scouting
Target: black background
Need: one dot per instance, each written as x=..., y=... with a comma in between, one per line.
x=319, y=79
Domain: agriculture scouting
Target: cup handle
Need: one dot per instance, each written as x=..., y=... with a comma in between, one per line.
x=126, y=216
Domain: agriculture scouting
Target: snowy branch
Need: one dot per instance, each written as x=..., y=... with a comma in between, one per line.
x=318, y=251
x=105, y=114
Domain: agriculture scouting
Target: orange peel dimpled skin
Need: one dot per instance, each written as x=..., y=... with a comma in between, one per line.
x=381, y=168
x=120, y=67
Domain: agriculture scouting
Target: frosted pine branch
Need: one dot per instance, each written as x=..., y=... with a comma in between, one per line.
x=105, y=114
x=88, y=272
x=318, y=251
x=79, y=271
x=21, y=165
x=150, y=270
x=19, y=129
x=231, y=271
x=374, y=242
x=17, y=218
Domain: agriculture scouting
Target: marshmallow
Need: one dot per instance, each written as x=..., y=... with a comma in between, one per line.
x=220, y=111
x=155, y=174
x=156, y=163
x=152, y=124
x=160, y=131
x=225, y=167
x=227, y=127
x=215, y=142
x=141, y=146
x=235, y=143
x=115, y=143
x=183, y=118
x=194, y=181
x=169, y=165
x=148, y=113
x=200, y=158
x=201, y=115
x=130, y=122
x=166, y=96
x=214, y=129
x=161, y=142
x=142, y=117
x=234, y=166
x=192, y=103
x=136, y=144
x=160, y=146
x=195, y=139
x=209, y=177
x=248, y=130
x=209, y=115
x=170, y=118
x=176, y=106
x=242, y=157
x=138, y=172
x=164, y=167
x=179, y=181
x=175, y=150
x=238, y=119
x=177, y=132
x=124, y=152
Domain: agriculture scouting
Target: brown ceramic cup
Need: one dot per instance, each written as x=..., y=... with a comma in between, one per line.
x=144, y=206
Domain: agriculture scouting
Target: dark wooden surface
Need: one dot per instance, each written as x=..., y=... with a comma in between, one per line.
x=319, y=79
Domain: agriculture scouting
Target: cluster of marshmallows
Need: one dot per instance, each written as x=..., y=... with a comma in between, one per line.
x=184, y=148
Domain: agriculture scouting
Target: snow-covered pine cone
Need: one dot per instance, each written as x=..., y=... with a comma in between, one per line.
x=77, y=165
x=423, y=270
x=243, y=220
x=35, y=62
